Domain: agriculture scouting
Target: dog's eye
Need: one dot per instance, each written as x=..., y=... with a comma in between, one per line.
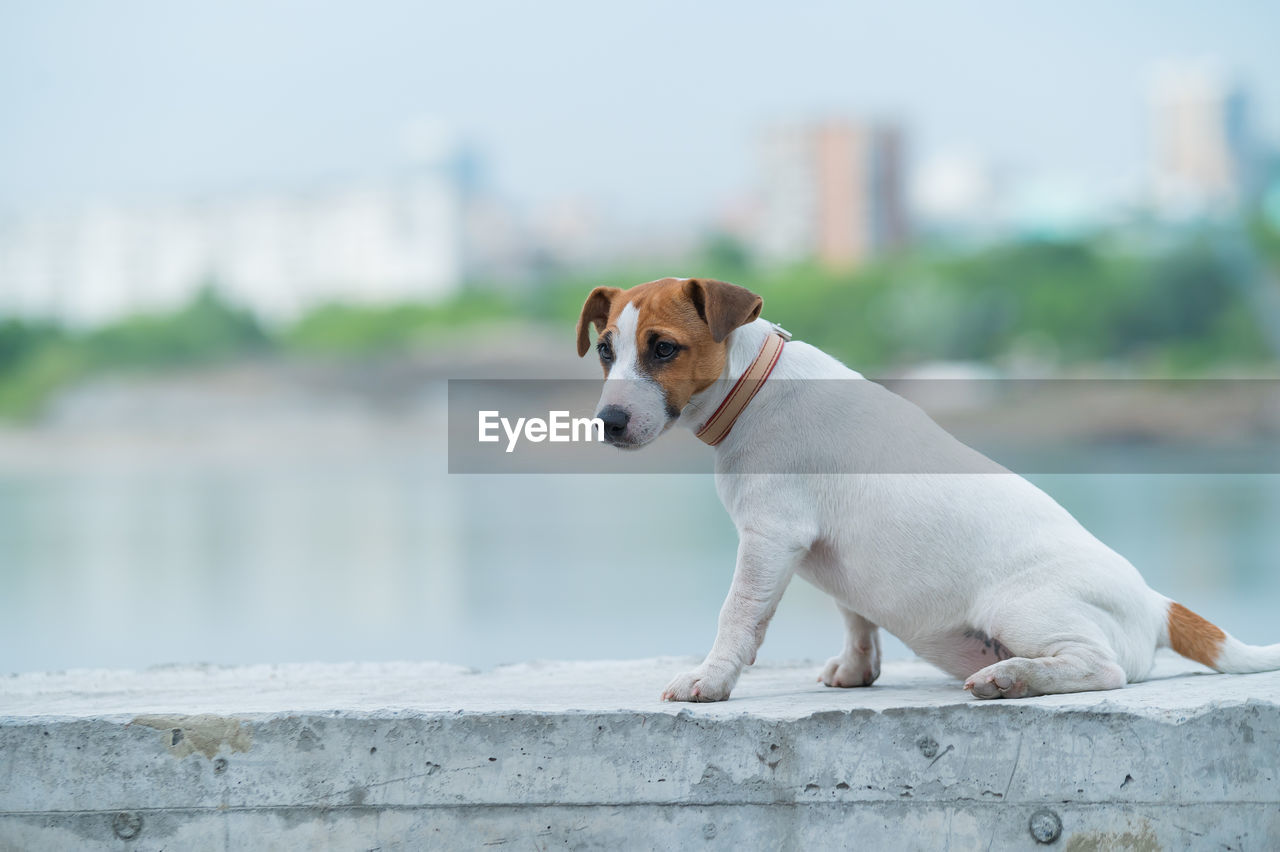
x=606, y=351
x=664, y=349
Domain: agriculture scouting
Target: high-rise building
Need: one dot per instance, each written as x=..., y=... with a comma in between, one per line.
x=832, y=191
x=1202, y=159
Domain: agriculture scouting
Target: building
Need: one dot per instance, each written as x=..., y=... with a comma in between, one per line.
x=832, y=191
x=1202, y=158
x=402, y=237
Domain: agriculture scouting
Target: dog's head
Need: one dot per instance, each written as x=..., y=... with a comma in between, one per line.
x=659, y=344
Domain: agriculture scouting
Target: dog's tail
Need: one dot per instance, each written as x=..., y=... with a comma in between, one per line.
x=1198, y=639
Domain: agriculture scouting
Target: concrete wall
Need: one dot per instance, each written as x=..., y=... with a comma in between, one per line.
x=584, y=756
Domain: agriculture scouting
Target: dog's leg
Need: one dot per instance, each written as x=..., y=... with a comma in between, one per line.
x=859, y=662
x=1073, y=668
x=765, y=566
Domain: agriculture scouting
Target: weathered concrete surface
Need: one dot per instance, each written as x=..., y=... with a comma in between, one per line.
x=583, y=755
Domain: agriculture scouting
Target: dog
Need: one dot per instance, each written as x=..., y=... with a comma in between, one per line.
x=978, y=571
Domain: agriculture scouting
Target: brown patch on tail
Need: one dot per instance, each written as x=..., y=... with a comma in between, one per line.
x=1194, y=637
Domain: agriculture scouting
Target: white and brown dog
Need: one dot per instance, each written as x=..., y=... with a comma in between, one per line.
x=979, y=572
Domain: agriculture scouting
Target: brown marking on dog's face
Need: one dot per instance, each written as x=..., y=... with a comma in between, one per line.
x=694, y=315
x=1193, y=637
x=678, y=342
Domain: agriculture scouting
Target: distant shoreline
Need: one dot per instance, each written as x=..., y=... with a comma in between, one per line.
x=307, y=408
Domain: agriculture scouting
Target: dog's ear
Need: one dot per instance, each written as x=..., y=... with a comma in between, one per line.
x=723, y=306
x=595, y=311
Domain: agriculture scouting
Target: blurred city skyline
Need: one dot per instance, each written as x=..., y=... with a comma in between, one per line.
x=404, y=197
x=645, y=113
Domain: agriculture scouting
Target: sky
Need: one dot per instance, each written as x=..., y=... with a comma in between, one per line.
x=652, y=109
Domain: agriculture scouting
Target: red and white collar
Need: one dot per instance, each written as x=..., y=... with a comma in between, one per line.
x=748, y=385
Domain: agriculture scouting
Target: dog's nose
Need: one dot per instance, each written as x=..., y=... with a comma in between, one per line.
x=615, y=420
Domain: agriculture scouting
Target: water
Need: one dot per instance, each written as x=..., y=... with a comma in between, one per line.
x=378, y=554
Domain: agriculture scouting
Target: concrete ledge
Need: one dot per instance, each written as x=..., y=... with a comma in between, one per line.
x=582, y=754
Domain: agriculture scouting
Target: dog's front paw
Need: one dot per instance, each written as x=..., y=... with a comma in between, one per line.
x=701, y=684
x=858, y=670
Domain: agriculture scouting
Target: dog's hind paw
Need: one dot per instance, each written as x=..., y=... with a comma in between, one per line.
x=1001, y=680
x=701, y=684
x=851, y=671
